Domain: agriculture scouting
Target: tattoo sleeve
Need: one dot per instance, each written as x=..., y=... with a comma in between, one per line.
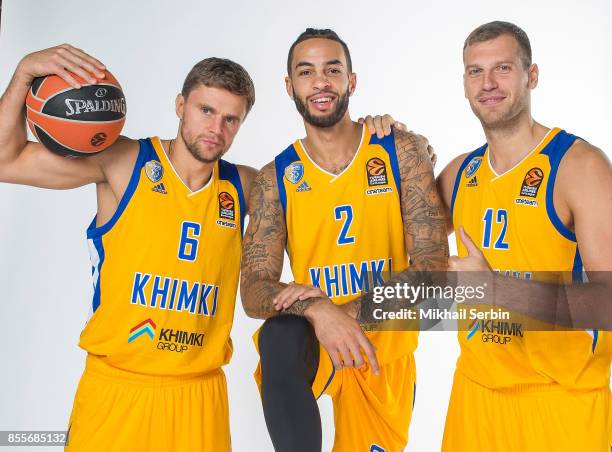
x=264, y=248
x=424, y=221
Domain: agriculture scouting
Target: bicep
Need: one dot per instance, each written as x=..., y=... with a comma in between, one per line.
x=591, y=208
x=37, y=166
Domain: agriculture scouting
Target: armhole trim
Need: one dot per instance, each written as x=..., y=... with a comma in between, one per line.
x=145, y=151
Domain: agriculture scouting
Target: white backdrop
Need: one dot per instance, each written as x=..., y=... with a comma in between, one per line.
x=407, y=56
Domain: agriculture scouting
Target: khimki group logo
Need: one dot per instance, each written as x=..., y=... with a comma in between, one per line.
x=145, y=327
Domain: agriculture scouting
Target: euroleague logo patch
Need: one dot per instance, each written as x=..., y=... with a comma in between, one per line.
x=154, y=170
x=98, y=139
x=294, y=172
x=473, y=166
x=376, y=170
x=226, y=206
x=531, y=183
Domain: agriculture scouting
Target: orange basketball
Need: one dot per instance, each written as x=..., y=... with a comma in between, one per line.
x=534, y=177
x=76, y=122
x=375, y=166
x=226, y=200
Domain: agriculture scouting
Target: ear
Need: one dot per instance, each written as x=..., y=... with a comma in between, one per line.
x=352, y=83
x=533, y=73
x=179, y=106
x=289, y=86
x=465, y=94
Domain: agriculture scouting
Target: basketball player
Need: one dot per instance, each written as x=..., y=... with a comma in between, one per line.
x=349, y=208
x=163, y=301
x=532, y=199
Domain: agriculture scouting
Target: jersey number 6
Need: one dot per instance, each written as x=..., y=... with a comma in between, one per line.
x=188, y=245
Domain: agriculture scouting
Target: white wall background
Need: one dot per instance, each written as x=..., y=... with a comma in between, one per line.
x=408, y=59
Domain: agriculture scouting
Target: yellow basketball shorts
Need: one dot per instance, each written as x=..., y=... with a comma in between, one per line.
x=372, y=413
x=116, y=410
x=530, y=418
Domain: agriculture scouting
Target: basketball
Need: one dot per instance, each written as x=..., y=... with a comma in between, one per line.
x=375, y=166
x=75, y=122
x=226, y=200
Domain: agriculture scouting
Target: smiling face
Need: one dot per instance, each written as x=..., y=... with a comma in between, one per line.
x=320, y=83
x=496, y=83
x=210, y=118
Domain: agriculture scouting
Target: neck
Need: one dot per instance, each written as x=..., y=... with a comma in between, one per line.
x=509, y=144
x=194, y=173
x=333, y=147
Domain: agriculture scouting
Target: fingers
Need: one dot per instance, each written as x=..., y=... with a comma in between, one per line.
x=96, y=65
x=294, y=292
x=356, y=355
x=469, y=244
x=77, y=65
x=361, y=121
x=378, y=126
x=67, y=62
x=453, y=262
x=387, y=122
x=370, y=353
x=83, y=67
x=369, y=122
x=432, y=155
x=65, y=75
x=346, y=359
x=335, y=357
x=400, y=126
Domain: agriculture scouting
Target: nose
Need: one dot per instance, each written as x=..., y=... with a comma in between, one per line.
x=321, y=81
x=215, y=124
x=489, y=82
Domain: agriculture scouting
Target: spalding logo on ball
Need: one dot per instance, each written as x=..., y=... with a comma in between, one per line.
x=76, y=122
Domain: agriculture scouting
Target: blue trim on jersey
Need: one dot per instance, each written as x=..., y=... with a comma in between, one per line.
x=578, y=268
x=282, y=161
x=145, y=153
x=477, y=153
x=595, y=337
x=329, y=380
x=97, y=241
x=388, y=143
x=229, y=172
x=555, y=150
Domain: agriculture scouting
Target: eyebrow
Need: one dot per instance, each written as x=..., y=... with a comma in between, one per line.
x=497, y=63
x=214, y=111
x=327, y=63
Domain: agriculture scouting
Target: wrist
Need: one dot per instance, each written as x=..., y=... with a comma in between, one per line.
x=311, y=312
x=23, y=75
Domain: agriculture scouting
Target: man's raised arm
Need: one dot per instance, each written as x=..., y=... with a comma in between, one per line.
x=424, y=221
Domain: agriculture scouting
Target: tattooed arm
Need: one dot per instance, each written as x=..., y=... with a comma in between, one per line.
x=424, y=225
x=262, y=264
x=264, y=248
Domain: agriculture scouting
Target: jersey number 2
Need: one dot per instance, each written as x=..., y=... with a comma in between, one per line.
x=344, y=213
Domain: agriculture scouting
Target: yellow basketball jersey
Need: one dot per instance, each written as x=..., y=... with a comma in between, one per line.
x=345, y=232
x=511, y=217
x=165, y=270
